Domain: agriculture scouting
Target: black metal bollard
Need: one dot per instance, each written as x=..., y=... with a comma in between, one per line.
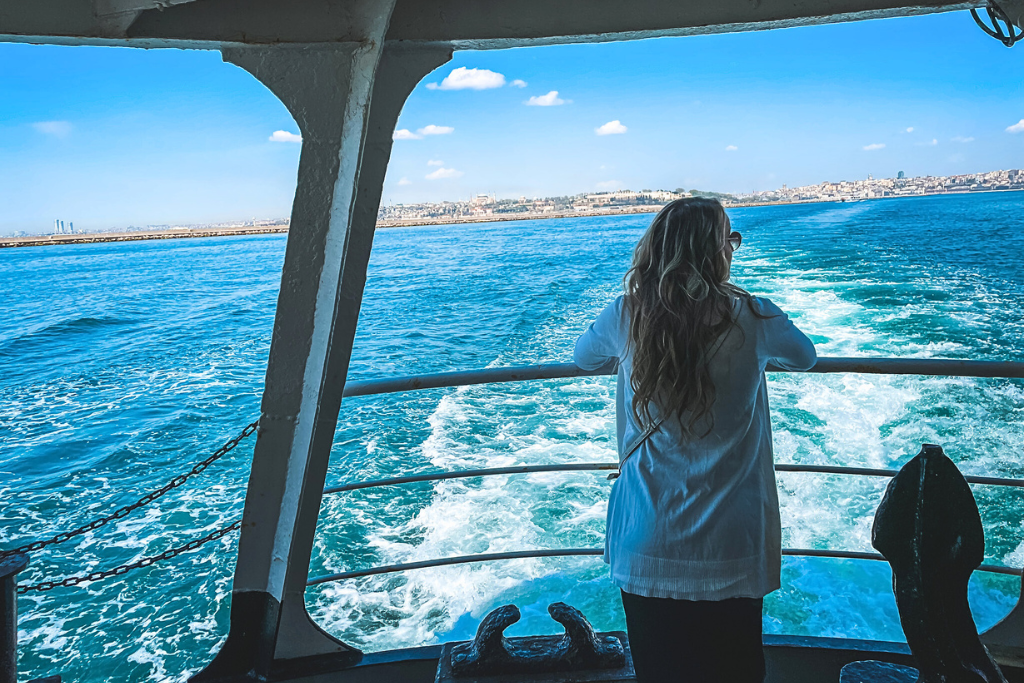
x=9, y=568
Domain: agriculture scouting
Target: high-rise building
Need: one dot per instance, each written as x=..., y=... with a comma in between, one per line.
x=900, y=176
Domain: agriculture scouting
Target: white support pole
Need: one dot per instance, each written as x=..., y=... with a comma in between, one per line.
x=399, y=71
x=327, y=89
x=345, y=149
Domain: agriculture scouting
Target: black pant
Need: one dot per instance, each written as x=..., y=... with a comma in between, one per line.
x=688, y=641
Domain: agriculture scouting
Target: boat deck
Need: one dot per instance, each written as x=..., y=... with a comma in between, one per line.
x=789, y=659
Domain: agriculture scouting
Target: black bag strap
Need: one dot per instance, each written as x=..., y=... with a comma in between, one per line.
x=635, y=444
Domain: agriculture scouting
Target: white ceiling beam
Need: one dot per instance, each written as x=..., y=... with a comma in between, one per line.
x=107, y=7
x=114, y=17
x=488, y=24
x=484, y=24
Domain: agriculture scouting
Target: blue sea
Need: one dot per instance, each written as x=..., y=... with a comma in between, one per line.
x=122, y=364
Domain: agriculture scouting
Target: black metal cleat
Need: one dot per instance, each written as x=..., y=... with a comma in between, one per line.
x=581, y=651
x=929, y=529
x=580, y=647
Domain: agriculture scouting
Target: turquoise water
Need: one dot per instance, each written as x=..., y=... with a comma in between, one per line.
x=123, y=364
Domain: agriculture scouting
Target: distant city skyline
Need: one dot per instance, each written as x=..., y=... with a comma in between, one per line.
x=112, y=137
x=487, y=207
x=484, y=207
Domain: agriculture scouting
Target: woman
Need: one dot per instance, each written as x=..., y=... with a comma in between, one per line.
x=693, y=536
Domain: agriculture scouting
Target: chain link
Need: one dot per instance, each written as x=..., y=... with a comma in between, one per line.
x=148, y=498
x=125, y=568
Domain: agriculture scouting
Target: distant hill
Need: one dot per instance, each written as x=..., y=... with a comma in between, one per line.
x=714, y=195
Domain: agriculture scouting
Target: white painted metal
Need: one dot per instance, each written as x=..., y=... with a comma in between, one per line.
x=328, y=89
x=346, y=147
x=107, y=7
x=471, y=24
x=399, y=71
x=460, y=23
x=942, y=367
x=592, y=552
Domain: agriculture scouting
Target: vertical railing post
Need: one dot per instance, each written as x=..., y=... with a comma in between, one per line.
x=9, y=568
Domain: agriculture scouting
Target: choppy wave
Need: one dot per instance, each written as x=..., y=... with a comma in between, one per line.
x=170, y=343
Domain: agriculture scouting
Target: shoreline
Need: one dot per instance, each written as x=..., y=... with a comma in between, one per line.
x=137, y=235
x=233, y=231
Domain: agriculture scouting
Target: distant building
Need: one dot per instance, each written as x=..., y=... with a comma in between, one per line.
x=900, y=176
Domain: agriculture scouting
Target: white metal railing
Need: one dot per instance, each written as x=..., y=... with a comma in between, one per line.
x=875, y=366
x=893, y=366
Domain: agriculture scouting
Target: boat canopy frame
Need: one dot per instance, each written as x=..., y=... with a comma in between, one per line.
x=344, y=69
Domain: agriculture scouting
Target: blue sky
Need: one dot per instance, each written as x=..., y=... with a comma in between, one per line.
x=111, y=137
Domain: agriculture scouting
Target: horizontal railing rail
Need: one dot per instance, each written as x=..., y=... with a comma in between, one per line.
x=884, y=366
x=573, y=552
x=873, y=472
x=463, y=474
x=608, y=466
x=875, y=366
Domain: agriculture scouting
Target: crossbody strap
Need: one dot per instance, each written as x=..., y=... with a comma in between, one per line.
x=633, y=445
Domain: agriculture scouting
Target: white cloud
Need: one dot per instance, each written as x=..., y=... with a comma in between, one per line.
x=470, y=79
x=435, y=130
x=731, y=148
x=960, y=138
x=405, y=181
x=1017, y=127
x=611, y=128
x=549, y=100
x=930, y=143
x=406, y=134
x=284, y=136
x=518, y=83
x=910, y=130
x=59, y=129
x=610, y=184
x=873, y=146
x=435, y=162
x=444, y=173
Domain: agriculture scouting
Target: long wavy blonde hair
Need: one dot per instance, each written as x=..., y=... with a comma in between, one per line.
x=680, y=305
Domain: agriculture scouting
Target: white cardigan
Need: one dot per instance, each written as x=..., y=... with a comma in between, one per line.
x=698, y=518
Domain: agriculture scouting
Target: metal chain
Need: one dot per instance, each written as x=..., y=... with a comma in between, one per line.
x=1008, y=36
x=125, y=568
x=148, y=498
